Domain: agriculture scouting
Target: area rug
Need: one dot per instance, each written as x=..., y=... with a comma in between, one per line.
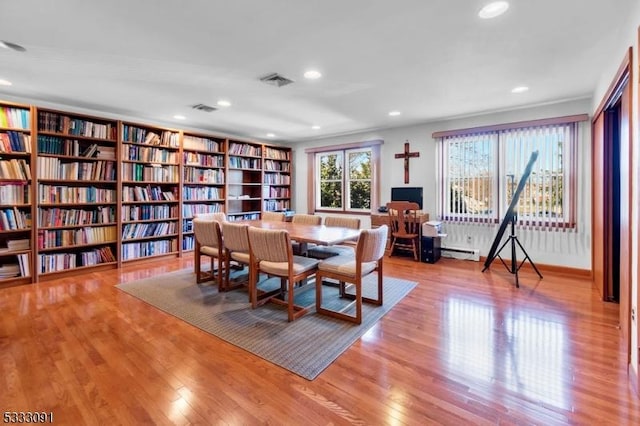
x=306, y=346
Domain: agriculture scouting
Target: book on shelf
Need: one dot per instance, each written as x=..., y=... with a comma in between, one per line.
x=90, y=151
x=9, y=270
x=15, y=245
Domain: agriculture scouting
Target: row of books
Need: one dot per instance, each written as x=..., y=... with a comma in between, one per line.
x=16, y=245
x=188, y=242
x=14, y=219
x=202, y=193
x=244, y=149
x=141, y=135
x=147, y=193
x=15, y=118
x=141, y=249
x=201, y=144
x=244, y=163
x=20, y=269
x=15, y=193
x=72, y=237
x=149, y=173
x=190, y=210
x=15, y=142
x=73, y=217
x=149, y=212
x=63, y=261
x=277, y=179
x=140, y=230
x=149, y=154
x=17, y=169
x=272, y=205
x=54, y=168
x=231, y=217
x=56, y=194
x=277, y=166
x=59, y=123
x=194, y=175
x=199, y=159
x=275, y=192
x=276, y=154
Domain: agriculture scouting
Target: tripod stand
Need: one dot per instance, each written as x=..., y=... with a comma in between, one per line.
x=512, y=239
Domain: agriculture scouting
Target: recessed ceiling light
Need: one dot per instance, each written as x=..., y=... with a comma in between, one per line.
x=271, y=135
x=316, y=127
x=223, y=103
x=179, y=117
x=493, y=9
x=394, y=113
x=312, y=74
x=519, y=89
x=12, y=46
x=5, y=82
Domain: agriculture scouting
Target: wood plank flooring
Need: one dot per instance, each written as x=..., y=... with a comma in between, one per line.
x=464, y=347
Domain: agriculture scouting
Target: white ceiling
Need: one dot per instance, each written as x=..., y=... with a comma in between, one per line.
x=430, y=59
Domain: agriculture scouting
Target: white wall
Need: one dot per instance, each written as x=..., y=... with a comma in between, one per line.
x=628, y=36
x=571, y=249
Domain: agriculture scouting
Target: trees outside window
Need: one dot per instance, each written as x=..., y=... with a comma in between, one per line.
x=344, y=180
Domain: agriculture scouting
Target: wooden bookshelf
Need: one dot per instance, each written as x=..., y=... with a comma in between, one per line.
x=86, y=193
x=276, y=188
x=150, y=191
x=16, y=195
x=203, y=181
x=76, y=173
x=244, y=180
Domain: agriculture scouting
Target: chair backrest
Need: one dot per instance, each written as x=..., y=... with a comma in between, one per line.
x=306, y=219
x=219, y=216
x=343, y=222
x=273, y=216
x=207, y=232
x=236, y=237
x=403, y=217
x=272, y=245
x=371, y=244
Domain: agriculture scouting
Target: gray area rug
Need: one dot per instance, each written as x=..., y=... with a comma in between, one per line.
x=306, y=346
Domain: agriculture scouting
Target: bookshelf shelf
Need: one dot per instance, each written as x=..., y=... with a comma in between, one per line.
x=16, y=193
x=150, y=181
x=76, y=176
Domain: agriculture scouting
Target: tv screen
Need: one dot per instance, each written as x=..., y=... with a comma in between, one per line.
x=413, y=194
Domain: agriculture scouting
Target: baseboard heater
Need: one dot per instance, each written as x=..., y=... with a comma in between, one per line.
x=461, y=253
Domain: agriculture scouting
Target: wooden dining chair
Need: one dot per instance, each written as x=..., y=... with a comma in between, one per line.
x=217, y=216
x=301, y=249
x=273, y=216
x=236, y=246
x=405, y=227
x=271, y=254
x=346, y=248
x=208, y=238
x=346, y=269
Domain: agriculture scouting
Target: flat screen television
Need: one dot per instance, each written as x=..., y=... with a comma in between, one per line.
x=404, y=193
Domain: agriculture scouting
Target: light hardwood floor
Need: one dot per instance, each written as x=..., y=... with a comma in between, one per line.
x=464, y=347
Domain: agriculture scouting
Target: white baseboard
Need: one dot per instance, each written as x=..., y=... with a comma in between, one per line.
x=461, y=253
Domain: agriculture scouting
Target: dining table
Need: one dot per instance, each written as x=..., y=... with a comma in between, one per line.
x=310, y=234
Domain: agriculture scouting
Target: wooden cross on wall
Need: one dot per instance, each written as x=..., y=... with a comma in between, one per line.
x=406, y=155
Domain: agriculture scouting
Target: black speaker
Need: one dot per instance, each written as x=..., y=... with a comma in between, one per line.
x=430, y=249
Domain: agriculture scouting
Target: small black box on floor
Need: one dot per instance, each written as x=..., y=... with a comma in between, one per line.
x=430, y=249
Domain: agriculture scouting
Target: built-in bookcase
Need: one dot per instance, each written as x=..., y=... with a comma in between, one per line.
x=150, y=194
x=84, y=193
x=276, y=189
x=76, y=192
x=203, y=181
x=16, y=197
x=244, y=181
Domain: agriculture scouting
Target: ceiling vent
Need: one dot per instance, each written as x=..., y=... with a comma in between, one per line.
x=276, y=79
x=203, y=107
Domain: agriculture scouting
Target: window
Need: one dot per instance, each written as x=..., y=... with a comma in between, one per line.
x=480, y=170
x=344, y=178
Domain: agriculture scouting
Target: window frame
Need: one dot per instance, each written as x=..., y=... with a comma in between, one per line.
x=313, y=181
x=499, y=183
